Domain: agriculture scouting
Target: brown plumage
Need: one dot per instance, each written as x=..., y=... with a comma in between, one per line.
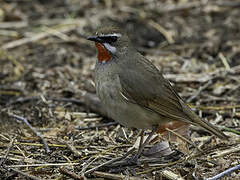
x=134, y=92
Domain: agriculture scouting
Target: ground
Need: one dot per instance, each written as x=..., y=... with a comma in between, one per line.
x=46, y=80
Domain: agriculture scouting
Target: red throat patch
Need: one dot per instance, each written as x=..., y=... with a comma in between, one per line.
x=103, y=54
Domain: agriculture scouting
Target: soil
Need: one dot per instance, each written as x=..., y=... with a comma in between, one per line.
x=46, y=80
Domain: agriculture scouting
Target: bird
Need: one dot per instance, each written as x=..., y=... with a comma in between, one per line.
x=133, y=91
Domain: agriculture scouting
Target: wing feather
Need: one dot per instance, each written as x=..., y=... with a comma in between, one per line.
x=151, y=90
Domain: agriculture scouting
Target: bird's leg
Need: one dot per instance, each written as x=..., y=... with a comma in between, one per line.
x=142, y=137
x=142, y=144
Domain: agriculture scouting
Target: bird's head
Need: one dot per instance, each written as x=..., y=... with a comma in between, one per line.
x=110, y=42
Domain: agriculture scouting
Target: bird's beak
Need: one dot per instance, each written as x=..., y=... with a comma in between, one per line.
x=95, y=39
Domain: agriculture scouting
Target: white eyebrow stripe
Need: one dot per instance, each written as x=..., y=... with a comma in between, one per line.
x=114, y=34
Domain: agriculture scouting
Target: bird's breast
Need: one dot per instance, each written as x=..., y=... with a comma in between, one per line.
x=118, y=108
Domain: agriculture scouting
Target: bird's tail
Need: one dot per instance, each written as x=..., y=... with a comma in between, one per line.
x=196, y=120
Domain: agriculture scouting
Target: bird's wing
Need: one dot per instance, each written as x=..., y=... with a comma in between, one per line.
x=143, y=84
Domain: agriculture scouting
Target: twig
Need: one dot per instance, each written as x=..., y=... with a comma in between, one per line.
x=109, y=162
x=199, y=91
x=216, y=108
x=89, y=99
x=24, y=100
x=209, y=98
x=179, y=7
x=97, y=126
x=224, y=61
x=230, y=4
x=163, y=31
x=34, y=98
x=70, y=174
x=162, y=166
x=36, y=37
x=112, y=176
x=25, y=174
x=139, y=163
x=88, y=163
x=190, y=77
x=192, y=5
x=184, y=139
x=171, y=175
x=65, y=146
x=12, y=24
x=8, y=33
x=101, y=165
x=33, y=129
x=224, y=153
x=224, y=173
x=4, y=158
x=227, y=129
x=58, y=34
x=43, y=165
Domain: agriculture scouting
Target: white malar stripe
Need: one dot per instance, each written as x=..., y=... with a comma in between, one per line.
x=110, y=48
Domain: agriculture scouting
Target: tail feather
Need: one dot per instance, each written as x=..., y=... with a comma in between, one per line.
x=196, y=120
